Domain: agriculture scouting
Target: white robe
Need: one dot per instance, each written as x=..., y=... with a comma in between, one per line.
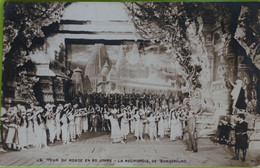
x=152, y=128
x=85, y=123
x=161, y=127
x=58, y=128
x=22, y=137
x=138, y=126
x=30, y=134
x=71, y=127
x=116, y=134
x=124, y=126
x=64, y=129
x=52, y=128
x=176, y=129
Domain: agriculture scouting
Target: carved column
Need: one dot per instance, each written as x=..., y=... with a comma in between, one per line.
x=224, y=68
x=206, y=35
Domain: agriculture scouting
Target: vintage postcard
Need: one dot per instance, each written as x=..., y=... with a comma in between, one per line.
x=130, y=84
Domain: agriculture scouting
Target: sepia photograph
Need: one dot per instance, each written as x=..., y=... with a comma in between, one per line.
x=169, y=84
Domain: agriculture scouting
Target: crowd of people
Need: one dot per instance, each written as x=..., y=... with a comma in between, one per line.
x=130, y=99
x=37, y=126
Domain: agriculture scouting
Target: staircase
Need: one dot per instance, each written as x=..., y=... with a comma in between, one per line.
x=206, y=124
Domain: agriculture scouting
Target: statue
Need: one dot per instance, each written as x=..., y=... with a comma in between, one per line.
x=221, y=71
x=199, y=103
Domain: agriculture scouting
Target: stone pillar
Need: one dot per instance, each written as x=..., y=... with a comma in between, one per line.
x=206, y=35
x=59, y=90
x=208, y=70
x=224, y=65
x=47, y=89
x=224, y=71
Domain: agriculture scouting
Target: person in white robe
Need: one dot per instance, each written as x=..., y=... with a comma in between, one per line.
x=50, y=122
x=22, y=137
x=29, y=131
x=125, y=124
x=176, y=128
x=12, y=124
x=71, y=126
x=39, y=129
x=116, y=134
x=132, y=122
x=138, y=126
x=57, y=119
x=161, y=126
x=85, y=120
x=152, y=126
x=64, y=128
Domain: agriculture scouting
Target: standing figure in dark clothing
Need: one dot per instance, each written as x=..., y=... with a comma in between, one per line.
x=224, y=131
x=241, y=137
x=105, y=100
x=191, y=127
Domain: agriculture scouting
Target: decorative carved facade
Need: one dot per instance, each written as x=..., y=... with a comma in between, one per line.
x=77, y=80
x=133, y=76
x=52, y=78
x=227, y=61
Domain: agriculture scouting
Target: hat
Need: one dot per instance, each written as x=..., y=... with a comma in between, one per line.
x=29, y=113
x=66, y=105
x=29, y=110
x=148, y=111
x=141, y=112
x=12, y=110
x=241, y=116
x=172, y=110
x=40, y=109
x=113, y=111
x=59, y=108
x=48, y=106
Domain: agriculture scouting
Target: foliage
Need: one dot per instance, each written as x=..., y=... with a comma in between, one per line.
x=248, y=32
x=24, y=21
x=168, y=24
x=24, y=87
x=23, y=35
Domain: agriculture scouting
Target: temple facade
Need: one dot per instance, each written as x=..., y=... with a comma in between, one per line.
x=77, y=80
x=132, y=76
x=94, y=66
x=53, y=78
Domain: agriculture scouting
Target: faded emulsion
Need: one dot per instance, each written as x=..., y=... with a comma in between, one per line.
x=130, y=84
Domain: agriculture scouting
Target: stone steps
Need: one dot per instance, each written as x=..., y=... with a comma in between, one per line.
x=254, y=145
x=206, y=126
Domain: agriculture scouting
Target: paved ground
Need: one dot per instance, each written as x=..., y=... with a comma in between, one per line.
x=95, y=149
